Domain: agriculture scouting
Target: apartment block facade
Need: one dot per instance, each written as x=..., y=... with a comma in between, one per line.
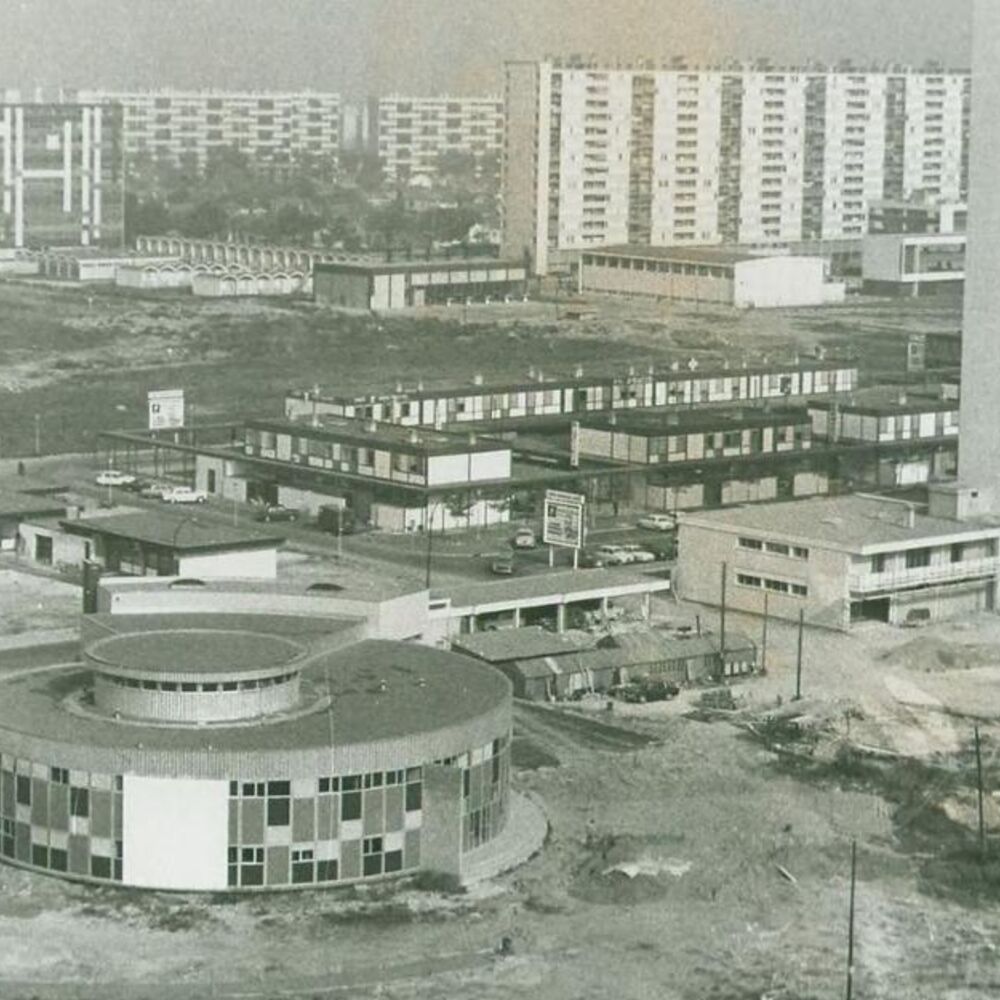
x=596, y=156
x=61, y=175
x=269, y=128
x=415, y=134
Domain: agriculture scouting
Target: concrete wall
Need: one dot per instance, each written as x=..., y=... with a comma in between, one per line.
x=774, y=282
x=349, y=291
x=637, y=280
x=175, y=832
x=441, y=835
x=470, y=467
x=195, y=706
x=703, y=550
x=257, y=564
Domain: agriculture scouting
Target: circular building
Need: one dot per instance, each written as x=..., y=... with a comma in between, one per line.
x=188, y=752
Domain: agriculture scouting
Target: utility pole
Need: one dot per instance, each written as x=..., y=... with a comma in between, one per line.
x=763, y=638
x=798, y=659
x=38, y=434
x=979, y=789
x=850, y=922
x=430, y=541
x=722, y=620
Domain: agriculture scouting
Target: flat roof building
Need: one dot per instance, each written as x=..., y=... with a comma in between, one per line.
x=911, y=264
x=582, y=393
x=386, y=285
x=144, y=543
x=727, y=276
x=199, y=753
x=840, y=560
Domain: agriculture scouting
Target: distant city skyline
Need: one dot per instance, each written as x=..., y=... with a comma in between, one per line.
x=438, y=46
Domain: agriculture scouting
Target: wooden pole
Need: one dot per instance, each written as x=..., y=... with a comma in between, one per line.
x=979, y=789
x=850, y=922
x=798, y=660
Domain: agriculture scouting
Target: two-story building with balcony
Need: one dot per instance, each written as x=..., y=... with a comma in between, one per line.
x=393, y=478
x=695, y=458
x=905, y=436
x=839, y=560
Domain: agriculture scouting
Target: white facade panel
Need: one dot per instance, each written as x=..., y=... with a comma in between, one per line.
x=175, y=833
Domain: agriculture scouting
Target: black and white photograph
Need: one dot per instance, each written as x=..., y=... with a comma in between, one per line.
x=499, y=499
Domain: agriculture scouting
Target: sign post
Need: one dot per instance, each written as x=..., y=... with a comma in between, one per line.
x=166, y=409
x=562, y=523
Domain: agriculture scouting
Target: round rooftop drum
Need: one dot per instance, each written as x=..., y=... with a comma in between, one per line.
x=195, y=675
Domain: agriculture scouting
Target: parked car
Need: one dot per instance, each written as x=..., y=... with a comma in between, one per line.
x=155, y=491
x=336, y=519
x=136, y=486
x=613, y=555
x=524, y=539
x=276, y=512
x=184, y=494
x=637, y=554
x=657, y=522
x=589, y=559
x=502, y=564
x=111, y=477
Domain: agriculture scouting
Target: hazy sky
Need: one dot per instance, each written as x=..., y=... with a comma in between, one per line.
x=436, y=46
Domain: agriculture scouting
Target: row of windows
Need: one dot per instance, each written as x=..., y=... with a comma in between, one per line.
x=775, y=586
x=775, y=548
x=205, y=687
x=349, y=789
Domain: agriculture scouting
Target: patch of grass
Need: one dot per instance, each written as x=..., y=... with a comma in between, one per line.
x=428, y=881
x=529, y=756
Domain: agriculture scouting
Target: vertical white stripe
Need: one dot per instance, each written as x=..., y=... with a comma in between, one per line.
x=85, y=176
x=18, y=178
x=8, y=153
x=96, y=175
x=67, y=166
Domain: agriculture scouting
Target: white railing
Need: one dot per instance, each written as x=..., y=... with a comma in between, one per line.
x=864, y=581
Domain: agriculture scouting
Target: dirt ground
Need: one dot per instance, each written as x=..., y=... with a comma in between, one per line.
x=697, y=852
x=83, y=358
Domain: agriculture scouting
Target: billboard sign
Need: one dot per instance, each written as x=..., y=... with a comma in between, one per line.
x=166, y=409
x=563, y=520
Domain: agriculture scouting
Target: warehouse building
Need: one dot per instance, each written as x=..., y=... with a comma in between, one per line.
x=840, y=560
x=245, y=752
x=726, y=276
x=387, y=285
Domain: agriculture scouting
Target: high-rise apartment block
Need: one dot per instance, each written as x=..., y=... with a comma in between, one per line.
x=596, y=156
x=414, y=134
x=269, y=128
x=61, y=172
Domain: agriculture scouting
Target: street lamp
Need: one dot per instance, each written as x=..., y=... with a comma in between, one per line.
x=173, y=540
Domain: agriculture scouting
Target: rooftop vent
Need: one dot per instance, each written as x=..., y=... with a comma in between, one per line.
x=371, y=426
x=578, y=371
x=477, y=379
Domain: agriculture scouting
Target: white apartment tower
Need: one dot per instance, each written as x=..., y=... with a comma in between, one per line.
x=979, y=444
x=596, y=156
x=414, y=133
x=269, y=128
